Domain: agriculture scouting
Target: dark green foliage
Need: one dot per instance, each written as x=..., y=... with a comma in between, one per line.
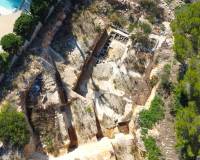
x=165, y=82
x=40, y=9
x=141, y=38
x=187, y=109
x=145, y=27
x=186, y=28
x=183, y=47
x=25, y=25
x=188, y=132
x=153, y=152
x=4, y=56
x=147, y=118
x=13, y=126
x=11, y=43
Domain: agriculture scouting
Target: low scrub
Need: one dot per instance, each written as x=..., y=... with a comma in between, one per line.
x=147, y=118
x=153, y=152
x=13, y=126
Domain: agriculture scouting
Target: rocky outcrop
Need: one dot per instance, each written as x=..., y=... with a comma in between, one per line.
x=119, y=148
x=84, y=120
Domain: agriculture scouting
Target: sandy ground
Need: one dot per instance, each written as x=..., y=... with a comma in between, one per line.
x=7, y=23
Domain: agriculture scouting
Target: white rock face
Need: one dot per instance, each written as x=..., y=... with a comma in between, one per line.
x=103, y=71
x=123, y=147
x=119, y=148
x=83, y=120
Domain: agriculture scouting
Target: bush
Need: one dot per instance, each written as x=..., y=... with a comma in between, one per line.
x=148, y=5
x=131, y=27
x=118, y=20
x=11, y=43
x=187, y=93
x=98, y=29
x=152, y=9
x=142, y=42
x=153, y=152
x=145, y=27
x=13, y=126
x=147, y=118
x=39, y=9
x=166, y=84
x=4, y=56
x=186, y=31
x=25, y=25
x=187, y=132
x=153, y=81
x=141, y=38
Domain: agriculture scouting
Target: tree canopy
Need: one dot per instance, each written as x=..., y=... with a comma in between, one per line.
x=25, y=25
x=186, y=29
x=11, y=43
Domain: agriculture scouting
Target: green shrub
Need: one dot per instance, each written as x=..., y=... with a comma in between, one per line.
x=98, y=29
x=187, y=132
x=40, y=9
x=153, y=152
x=145, y=27
x=25, y=25
x=4, y=57
x=148, y=5
x=141, y=38
x=48, y=141
x=11, y=43
x=89, y=109
x=131, y=27
x=153, y=81
x=165, y=82
x=13, y=126
x=187, y=93
x=147, y=118
x=153, y=10
x=186, y=31
x=118, y=19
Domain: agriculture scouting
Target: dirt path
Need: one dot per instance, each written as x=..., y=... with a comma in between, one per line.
x=166, y=139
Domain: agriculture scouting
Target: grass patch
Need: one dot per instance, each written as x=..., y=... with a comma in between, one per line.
x=147, y=118
x=153, y=152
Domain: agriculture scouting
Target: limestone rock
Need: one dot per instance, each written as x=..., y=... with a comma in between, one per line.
x=124, y=146
x=120, y=148
x=102, y=71
x=84, y=120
